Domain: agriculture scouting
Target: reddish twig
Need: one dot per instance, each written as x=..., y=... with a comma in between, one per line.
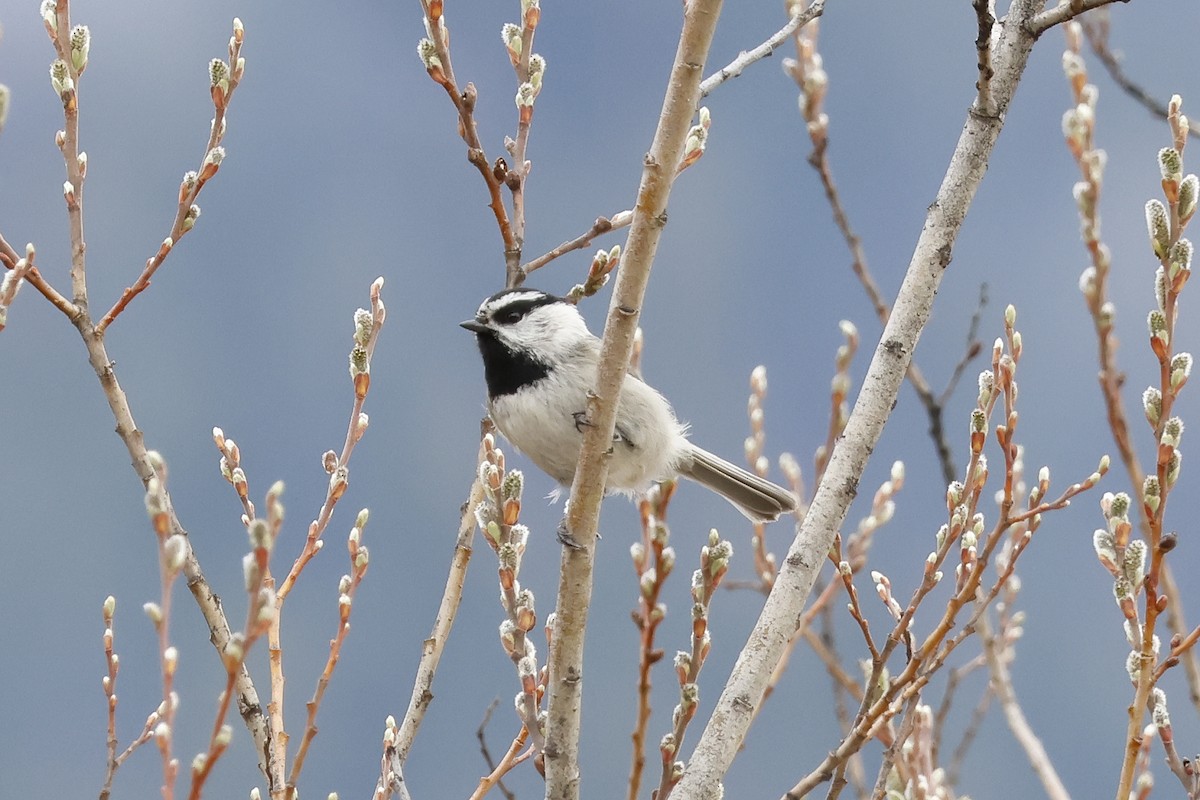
x=1096, y=28
x=435, y=54
x=601, y=226
x=714, y=563
x=347, y=588
x=808, y=72
x=225, y=78
x=71, y=44
x=498, y=517
x=11, y=282
x=510, y=760
x=9, y=257
x=1079, y=131
x=653, y=561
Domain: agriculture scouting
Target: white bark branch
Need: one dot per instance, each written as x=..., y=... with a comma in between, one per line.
x=743, y=692
x=575, y=583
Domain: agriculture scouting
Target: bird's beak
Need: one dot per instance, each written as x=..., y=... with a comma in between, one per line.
x=475, y=326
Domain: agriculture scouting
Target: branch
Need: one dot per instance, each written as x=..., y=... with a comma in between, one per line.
x=431, y=650
x=510, y=760
x=359, y=561
x=652, y=568
x=1096, y=30
x=225, y=79
x=435, y=53
x=985, y=15
x=735, y=709
x=10, y=259
x=1063, y=12
x=601, y=226
x=747, y=57
x=1002, y=687
x=529, y=85
x=58, y=26
x=575, y=584
x=11, y=283
x=811, y=79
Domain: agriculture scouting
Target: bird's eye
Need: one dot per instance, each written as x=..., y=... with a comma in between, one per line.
x=509, y=316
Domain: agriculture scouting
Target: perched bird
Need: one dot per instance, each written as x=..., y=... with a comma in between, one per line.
x=540, y=360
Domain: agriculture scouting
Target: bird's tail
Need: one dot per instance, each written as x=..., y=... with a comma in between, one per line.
x=757, y=498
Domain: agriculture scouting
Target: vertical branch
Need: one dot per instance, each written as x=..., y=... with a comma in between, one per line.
x=985, y=15
x=435, y=54
x=653, y=561
x=72, y=50
x=1166, y=224
x=575, y=583
x=224, y=79
x=742, y=694
x=529, y=68
x=808, y=72
x=10, y=259
x=431, y=651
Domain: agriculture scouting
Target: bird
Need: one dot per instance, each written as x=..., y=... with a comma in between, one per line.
x=539, y=364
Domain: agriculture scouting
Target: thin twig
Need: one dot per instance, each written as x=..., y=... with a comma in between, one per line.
x=747, y=57
x=601, y=226
x=985, y=15
x=9, y=257
x=1096, y=28
x=498, y=519
x=391, y=771
x=431, y=650
x=510, y=760
x=346, y=591
x=660, y=167
x=481, y=735
x=441, y=71
x=970, y=351
x=225, y=80
x=368, y=326
x=59, y=29
x=743, y=691
x=1064, y=12
x=126, y=428
x=652, y=571
x=516, y=176
x=1022, y=731
x=811, y=80
x=714, y=564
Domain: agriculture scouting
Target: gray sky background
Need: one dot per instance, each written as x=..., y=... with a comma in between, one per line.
x=343, y=164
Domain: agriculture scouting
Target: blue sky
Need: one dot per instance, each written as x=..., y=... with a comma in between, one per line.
x=343, y=165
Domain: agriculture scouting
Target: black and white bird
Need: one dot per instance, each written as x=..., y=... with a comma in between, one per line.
x=540, y=360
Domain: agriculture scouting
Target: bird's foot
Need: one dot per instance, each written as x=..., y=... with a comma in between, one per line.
x=563, y=534
x=581, y=421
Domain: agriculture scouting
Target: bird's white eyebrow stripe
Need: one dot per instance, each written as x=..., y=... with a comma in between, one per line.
x=522, y=300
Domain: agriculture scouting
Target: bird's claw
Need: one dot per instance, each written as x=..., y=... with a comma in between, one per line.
x=563, y=534
x=581, y=421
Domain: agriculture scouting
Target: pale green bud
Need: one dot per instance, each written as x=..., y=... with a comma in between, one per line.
x=81, y=42
x=1170, y=164
x=1158, y=227
x=1152, y=405
x=1189, y=188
